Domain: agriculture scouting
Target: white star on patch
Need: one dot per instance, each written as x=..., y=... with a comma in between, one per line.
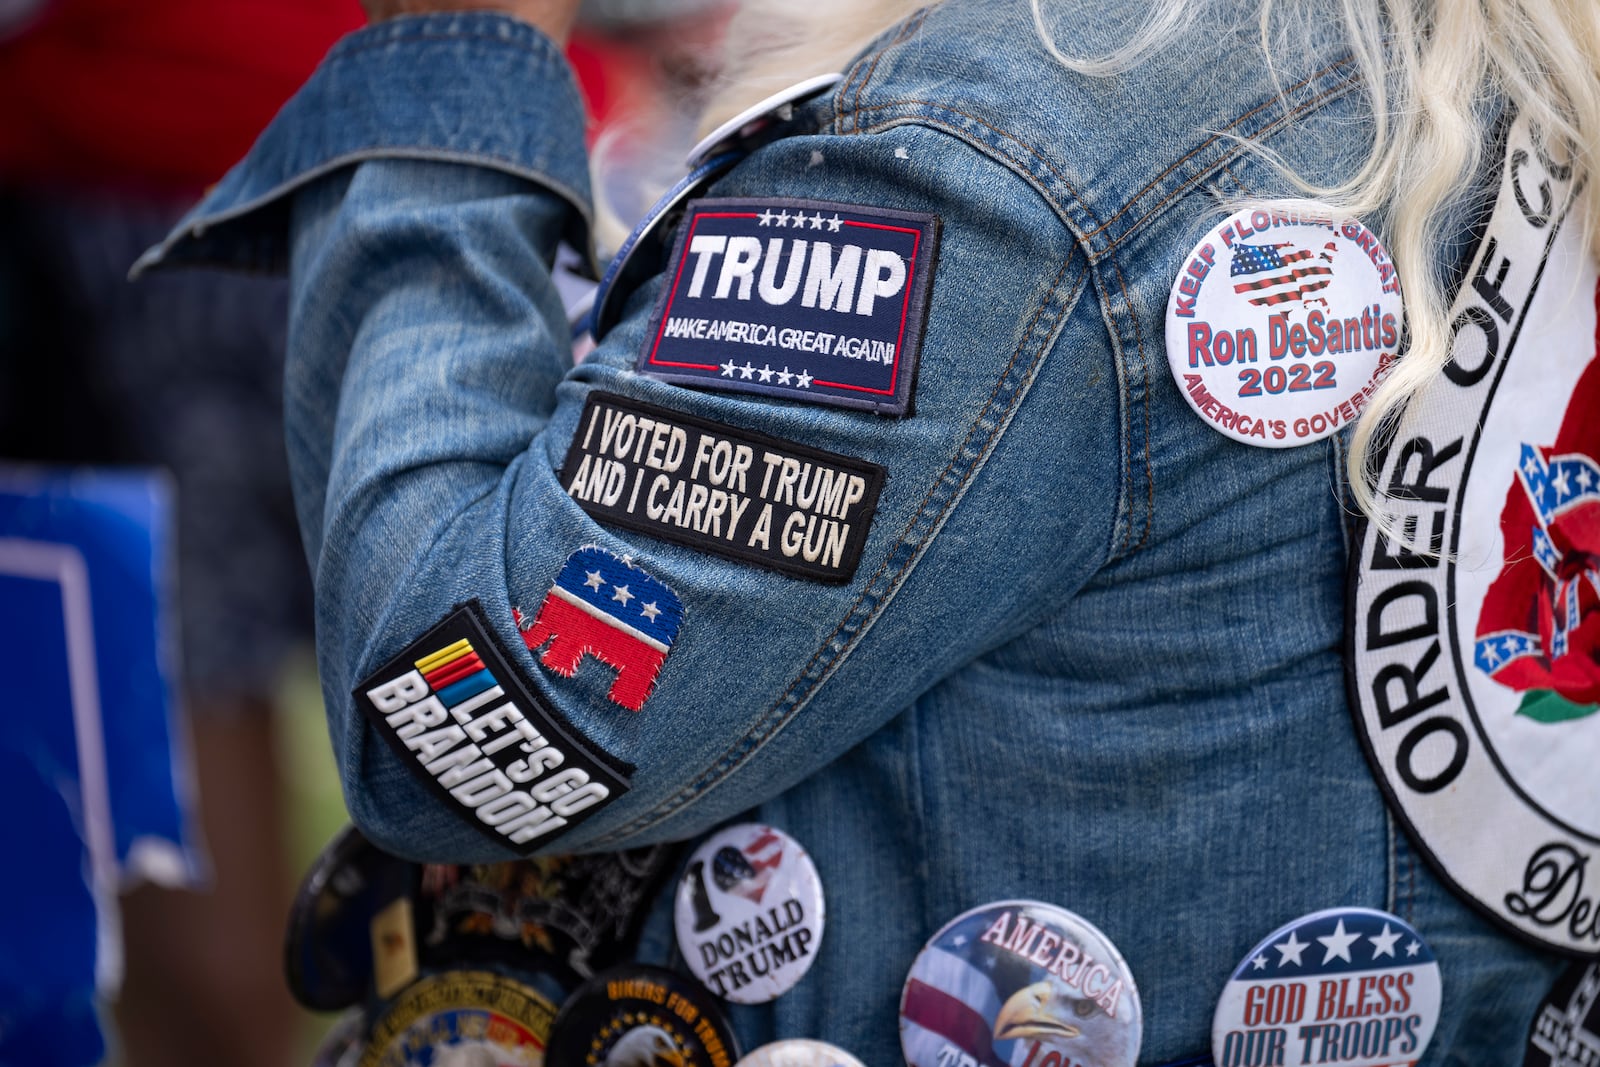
x=621, y=593
x=783, y=219
x=834, y=224
x=817, y=220
x=1291, y=949
x=594, y=581
x=1411, y=949
x=784, y=376
x=1383, y=944
x=650, y=611
x=803, y=380
x=1562, y=483
x=1259, y=963
x=728, y=368
x=766, y=373
x=767, y=217
x=747, y=371
x=1585, y=479
x=1338, y=944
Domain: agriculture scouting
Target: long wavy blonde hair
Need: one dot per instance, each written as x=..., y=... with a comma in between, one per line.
x=1429, y=67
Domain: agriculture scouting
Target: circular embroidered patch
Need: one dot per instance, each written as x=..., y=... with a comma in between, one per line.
x=640, y=1016
x=1474, y=622
x=1348, y=986
x=799, y=1054
x=749, y=913
x=1282, y=323
x=470, y=1018
x=1566, y=1028
x=1020, y=982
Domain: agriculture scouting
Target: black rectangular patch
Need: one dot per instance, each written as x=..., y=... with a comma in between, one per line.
x=803, y=299
x=715, y=487
x=460, y=715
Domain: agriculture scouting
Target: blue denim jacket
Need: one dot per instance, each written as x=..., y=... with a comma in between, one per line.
x=1092, y=652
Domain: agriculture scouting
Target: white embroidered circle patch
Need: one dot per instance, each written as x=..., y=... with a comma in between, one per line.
x=1282, y=323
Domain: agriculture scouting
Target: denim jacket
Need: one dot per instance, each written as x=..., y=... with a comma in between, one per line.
x=1091, y=653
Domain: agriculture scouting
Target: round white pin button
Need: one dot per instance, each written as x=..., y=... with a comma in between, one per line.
x=799, y=1054
x=1282, y=323
x=1024, y=983
x=749, y=913
x=1348, y=986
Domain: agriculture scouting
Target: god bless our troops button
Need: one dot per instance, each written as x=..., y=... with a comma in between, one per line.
x=1346, y=986
x=1475, y=615
x=640, y=1016
x=799, y=1054
x=749, y=913
x=462, y=1017
x=1282, y=323
x=1020, y=983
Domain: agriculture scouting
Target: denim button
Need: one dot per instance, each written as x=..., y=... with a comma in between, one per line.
x=1282, y=324
x=639, y=1016
x=1347, y=986
x=799, y=1054
x=749, y=913
x=1020, y=982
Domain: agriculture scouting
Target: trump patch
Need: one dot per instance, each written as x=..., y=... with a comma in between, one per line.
x=603, y=606
x=802, y=299
x=460, y=716
x=736, y=493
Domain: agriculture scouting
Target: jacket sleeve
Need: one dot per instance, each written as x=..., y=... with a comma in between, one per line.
x=421, y=183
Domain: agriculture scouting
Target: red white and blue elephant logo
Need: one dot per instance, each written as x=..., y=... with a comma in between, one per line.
x=604, y=606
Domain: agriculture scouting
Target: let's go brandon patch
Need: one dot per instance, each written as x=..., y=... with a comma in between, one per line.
x=802, y=299
x=457, y=713
x=721, y=489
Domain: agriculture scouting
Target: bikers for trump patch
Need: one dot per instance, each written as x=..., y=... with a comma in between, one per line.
x=721, y=489
x=603, y=605
x=800, y=299
x=1282, y=323
x=1474, y=622
x=460, y=716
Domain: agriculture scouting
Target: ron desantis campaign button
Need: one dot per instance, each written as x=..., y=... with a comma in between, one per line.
x=1282, y=323
x=1351, y=986
x=1566, y=1028
x=801, y=299
x=640, y=1016
x=799, y=1053
x=467, y=1017
x=749, y=913
x=1020, y=982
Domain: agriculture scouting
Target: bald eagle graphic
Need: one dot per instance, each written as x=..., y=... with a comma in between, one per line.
x=645, y=1046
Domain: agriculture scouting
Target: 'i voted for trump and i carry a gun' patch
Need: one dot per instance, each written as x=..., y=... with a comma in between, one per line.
x=721, y=489
x=801, y=299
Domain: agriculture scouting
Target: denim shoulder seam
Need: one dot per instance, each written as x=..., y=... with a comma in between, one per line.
x=196, y=228
x=946, y=491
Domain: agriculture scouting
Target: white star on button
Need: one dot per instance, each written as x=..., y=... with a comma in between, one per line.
x=1291, y=949
x=594, y=581
x=650, y=611
x=621, y=593
x=1411, y=949
x=1338, y=944
x=1259, y=963
x=1383, y=944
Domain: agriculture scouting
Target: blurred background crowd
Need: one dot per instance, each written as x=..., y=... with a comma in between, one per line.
x=116, y=117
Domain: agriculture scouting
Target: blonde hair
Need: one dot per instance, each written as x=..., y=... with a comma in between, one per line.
x=1429, y=66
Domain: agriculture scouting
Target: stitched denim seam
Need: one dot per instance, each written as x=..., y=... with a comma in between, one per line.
x=920, y=529
x=1149, y=472
x=1099, y=227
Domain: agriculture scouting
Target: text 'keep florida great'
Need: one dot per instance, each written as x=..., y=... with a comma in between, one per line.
x=722, y=489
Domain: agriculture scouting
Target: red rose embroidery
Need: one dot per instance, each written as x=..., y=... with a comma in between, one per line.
x=1539, y=631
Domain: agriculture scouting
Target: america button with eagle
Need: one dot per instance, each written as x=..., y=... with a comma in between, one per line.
x=799, y=1053
x=1019, y=983
x=749, y=913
